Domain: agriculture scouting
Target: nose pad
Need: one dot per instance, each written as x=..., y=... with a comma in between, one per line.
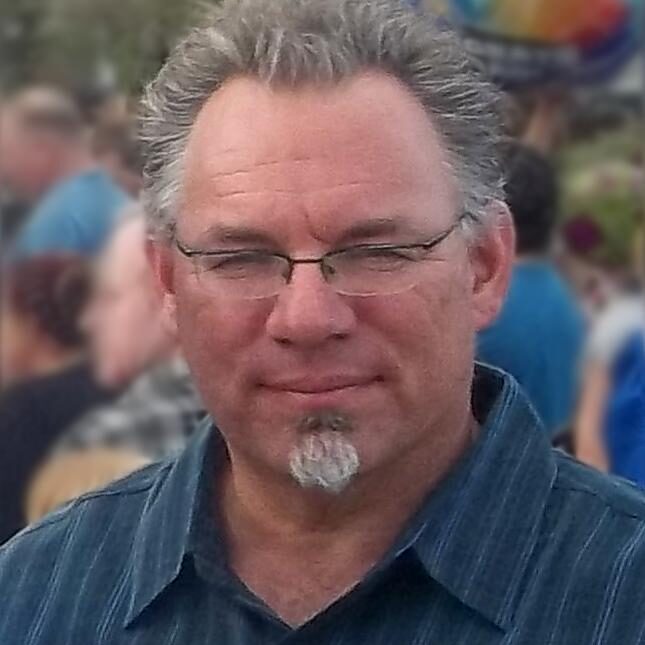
x=309, y=311
x=325, y=269
x=328, y=271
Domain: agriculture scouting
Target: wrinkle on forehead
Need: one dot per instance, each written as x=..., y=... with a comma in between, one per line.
x=222, y=193
x=274, y=156
x=259, y=165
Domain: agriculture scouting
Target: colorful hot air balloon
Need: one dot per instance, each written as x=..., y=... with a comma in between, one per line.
x=535, y=41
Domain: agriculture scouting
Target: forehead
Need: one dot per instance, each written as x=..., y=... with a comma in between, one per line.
x=263, y=157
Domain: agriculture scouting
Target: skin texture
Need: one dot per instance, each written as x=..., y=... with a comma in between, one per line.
x=124, y=321
x=305, y=171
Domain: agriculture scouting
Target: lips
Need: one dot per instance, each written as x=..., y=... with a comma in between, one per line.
x=316, y=384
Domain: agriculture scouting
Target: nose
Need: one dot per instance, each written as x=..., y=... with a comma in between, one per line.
x=308, y=312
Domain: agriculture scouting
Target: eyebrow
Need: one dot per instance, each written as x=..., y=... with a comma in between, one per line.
x=361, y=231
x=374, y=228
x=237, y=235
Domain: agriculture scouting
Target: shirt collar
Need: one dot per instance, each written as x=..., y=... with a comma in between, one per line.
x=163, y=536
x=474, y=535
x=478, y=529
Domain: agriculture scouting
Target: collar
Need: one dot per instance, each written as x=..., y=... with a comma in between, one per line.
x=478, y=529
x=474, y=535
x=162, y=539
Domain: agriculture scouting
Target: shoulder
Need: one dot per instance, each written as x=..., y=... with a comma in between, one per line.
x=596, y=523
x=90, y=191
x=69, y=534
x=100, y=183
x=590, y=559
x=599, y=491
x=77, y=559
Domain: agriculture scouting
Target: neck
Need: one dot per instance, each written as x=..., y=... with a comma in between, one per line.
x=366, y=517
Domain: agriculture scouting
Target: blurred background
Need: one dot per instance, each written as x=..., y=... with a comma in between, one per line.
x=93, y=385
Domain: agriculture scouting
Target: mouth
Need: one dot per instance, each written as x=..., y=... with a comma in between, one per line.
x=316, y=385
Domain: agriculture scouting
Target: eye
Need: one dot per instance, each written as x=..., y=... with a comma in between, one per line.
x=238, y=265
x=376, y=258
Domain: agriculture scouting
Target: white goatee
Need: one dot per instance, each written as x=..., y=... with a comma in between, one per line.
x=325, y=458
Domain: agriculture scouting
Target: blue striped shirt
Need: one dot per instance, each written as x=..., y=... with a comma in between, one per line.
x=518, y=545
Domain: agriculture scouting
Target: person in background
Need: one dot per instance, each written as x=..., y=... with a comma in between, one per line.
x=123, y=320
x=14, y=208
x=46, y=159
x=118, y=152
x=43, y=362
x=132, y=348
x=539, y=333
x=580, y=239
x=625, y=415
x=601, y=439
x=72, y=474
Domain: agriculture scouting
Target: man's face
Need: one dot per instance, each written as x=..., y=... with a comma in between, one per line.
x=303, y=173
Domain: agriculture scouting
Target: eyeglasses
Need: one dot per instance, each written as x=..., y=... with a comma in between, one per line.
x=361, y=270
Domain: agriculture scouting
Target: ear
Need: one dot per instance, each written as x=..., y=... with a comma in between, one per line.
x=160, y=257
x=492, y=255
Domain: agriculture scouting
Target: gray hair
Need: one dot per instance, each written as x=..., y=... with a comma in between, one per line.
x=287, y=43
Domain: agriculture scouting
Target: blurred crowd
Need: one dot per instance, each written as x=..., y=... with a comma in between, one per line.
x=93, y=384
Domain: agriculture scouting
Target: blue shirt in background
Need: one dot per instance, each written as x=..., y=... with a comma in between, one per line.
x=625, y=418
x=538, y=338
x=76, y=215
x=518, y=545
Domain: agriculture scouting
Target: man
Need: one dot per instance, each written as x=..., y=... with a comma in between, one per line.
x=45, y=160
x=360, y=486
x=132, y=348
x=539, y=334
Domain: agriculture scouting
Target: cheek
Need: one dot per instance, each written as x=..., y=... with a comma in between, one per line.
x=118, y=331
x=218, y=338
x=429, y=331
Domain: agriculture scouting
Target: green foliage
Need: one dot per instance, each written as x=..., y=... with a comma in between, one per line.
x=71, y=41
x=603, y=178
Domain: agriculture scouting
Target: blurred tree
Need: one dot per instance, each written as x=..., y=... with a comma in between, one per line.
x=19, y=40
x=89, y=44
x=602, y=178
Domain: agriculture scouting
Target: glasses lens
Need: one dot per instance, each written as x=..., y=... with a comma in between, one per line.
x=373, y=271
x=245, y=275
